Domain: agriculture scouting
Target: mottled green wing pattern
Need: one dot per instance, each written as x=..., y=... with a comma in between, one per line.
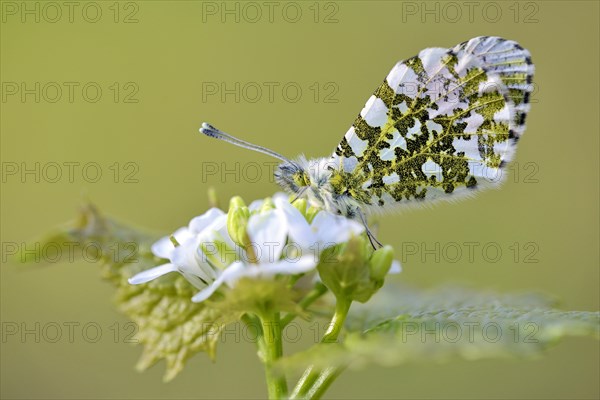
x=442, y=125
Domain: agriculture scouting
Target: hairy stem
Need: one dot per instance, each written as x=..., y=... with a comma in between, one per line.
x=323, y=382
x=314, y=380
x=272, y=349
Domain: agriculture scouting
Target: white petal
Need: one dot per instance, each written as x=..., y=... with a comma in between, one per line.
x=152, y=273
x=183, y=235
x=198, y=224
x=289, y=267
x=238, y=270
x=190, y=260
x=219, y=223
x=280, y=196
x=194, y=279
x=207, y=292
x=334, y=229
x=163, y=248
x=298, y=227
x=396, y=267
x=217, y=231
x=184, y=255
x=285, y=267
x=255, y=205
x=267, y=232
x=233, y=272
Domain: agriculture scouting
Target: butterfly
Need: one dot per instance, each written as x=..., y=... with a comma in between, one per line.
x=441, y=126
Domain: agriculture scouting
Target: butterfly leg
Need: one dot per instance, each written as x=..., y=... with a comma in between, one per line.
x=299, y=195
x=370, y=234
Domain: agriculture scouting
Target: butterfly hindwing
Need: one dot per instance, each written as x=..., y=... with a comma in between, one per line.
x=442, y=124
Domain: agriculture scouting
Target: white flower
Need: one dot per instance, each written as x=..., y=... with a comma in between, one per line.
x=239, y=269
x=187, y=258
x=269, y=232
x=325, y=230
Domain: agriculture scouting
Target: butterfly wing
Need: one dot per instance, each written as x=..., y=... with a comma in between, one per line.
x=442, y=125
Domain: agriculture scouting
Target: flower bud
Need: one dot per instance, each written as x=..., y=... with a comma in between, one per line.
x=237, y=219
x=381, y=262
x=311, y=212
x=236, y=201
x=344, y=269
x=267, y=205
x=300, y=205
x=353, y=271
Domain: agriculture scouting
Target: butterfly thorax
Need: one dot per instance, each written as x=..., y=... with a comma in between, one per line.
x=322, y=183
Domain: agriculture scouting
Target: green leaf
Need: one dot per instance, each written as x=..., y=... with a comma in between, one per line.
x=406, y=325
x=171, y=327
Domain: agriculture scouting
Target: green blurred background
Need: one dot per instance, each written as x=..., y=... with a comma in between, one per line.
x=161, y=66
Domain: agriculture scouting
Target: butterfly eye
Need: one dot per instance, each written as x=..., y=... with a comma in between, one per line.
x=301, y=179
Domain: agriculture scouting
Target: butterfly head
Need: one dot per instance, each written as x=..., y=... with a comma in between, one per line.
x=301, y=177
x=292, y=176
x=310, y=179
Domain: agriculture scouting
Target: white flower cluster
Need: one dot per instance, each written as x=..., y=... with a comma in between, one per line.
x=281, y=241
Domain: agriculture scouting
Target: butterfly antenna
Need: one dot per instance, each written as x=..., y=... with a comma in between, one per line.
x=213, y=132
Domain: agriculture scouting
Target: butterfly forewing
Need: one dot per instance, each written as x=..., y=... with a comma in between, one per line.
x=442, y=124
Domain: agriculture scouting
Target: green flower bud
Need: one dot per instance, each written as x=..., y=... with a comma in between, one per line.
x=381, y=262
x=353, y=271
x=300, y=205
x=236, y=201
x=311, y=212
x=267, y=205
x=237, y=220
x=344, y=269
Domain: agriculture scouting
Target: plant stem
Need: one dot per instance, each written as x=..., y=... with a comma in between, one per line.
x=337, y=321
x=318, y=291
x=312, y=376
x=323, y=382
x=272, y=349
